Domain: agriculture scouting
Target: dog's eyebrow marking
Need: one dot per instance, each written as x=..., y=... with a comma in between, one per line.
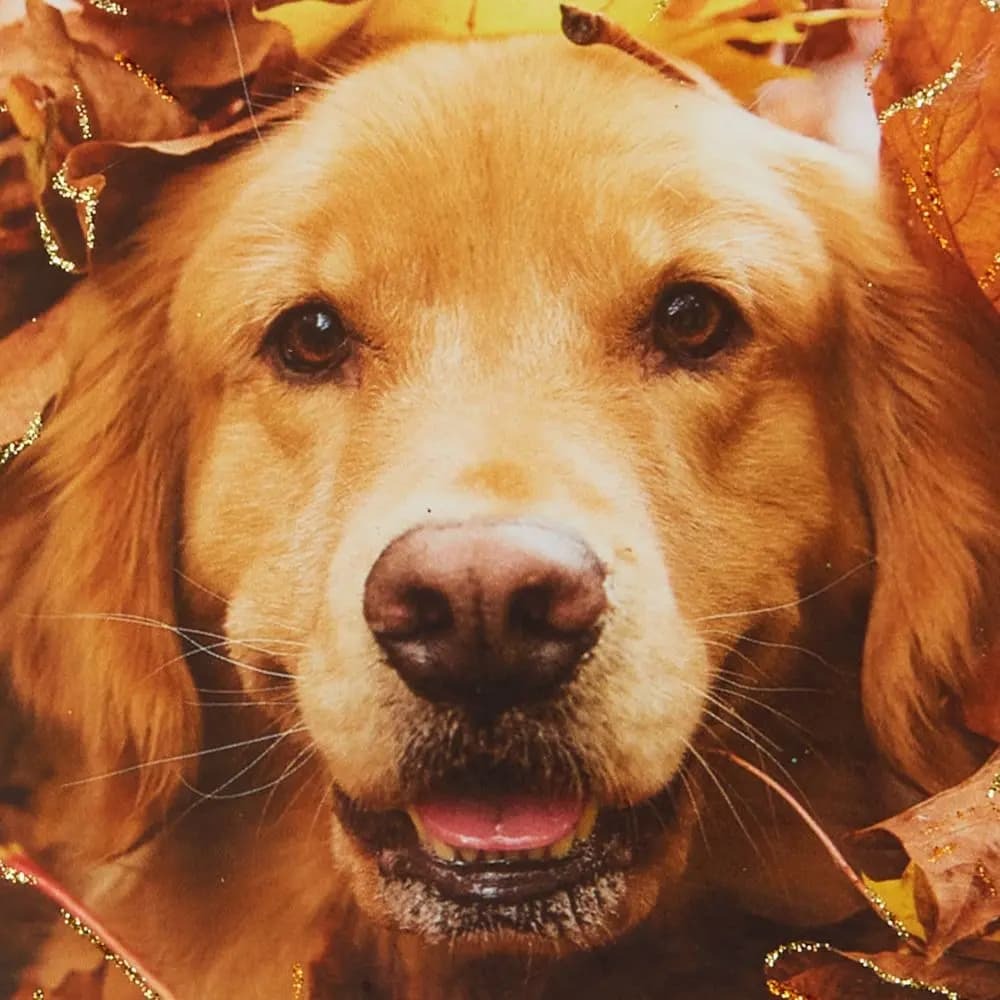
x=583, y=27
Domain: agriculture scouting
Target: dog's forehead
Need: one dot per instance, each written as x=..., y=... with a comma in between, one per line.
x=526, y=139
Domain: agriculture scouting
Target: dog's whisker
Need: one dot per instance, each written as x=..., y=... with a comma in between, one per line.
x=127, y=619
x=733, y=651
x=287, y=686
x=296, y=764
x=719, y=703
x=736, y=680
x=751, y=734
x=184, y=633
x=684, y=778
x=271, y=622
x=229, y=796
x=242, y=69
x=812, y=654
x=713, y=777
x=792, y=604
x=323, y=803
x=741, y=694
x=215, y=794
x=210, y=650
x=243, y=704
x=181, y=756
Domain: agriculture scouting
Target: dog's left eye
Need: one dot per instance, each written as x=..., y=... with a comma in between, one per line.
x=692, y=322
x=308, y=340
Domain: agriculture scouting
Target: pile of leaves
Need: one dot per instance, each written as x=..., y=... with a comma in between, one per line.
x=943, y=905
x=97, y=106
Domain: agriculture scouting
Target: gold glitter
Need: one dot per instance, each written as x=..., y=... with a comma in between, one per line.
x=983, y=877
x=38, y=995
x=85, y=196
x=993, y=6
x=925, y=95
x=81, y=113
x=7, y=872
x=3, y=107
x=51, y=246
x=934, y=203
x=298, y=982
x=814, y=947
x=132, y=974
x=996, y=172
x=994, y=790
x=882, y=909
x=984, y=281
x=154, y=85
x=942, y=851
x=14, y=875
x=659, y=9
x=7, y=452
x=109, y=7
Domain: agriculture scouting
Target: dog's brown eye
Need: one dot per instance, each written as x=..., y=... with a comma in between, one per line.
x=309, y=340
x=691, y=322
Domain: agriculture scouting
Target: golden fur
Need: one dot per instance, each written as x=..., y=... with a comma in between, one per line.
x=495, y=219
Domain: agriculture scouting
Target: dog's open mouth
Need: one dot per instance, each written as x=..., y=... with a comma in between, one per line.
x=487, y=861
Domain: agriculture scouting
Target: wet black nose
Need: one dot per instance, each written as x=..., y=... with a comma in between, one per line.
x=486, y=614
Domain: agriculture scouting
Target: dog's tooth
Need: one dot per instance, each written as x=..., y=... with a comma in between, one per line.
x=469, y=854
x=493, y=855
x=417, y=825
x=442, y=850
x=537, y=854
x=587, y=821
x=561, y=847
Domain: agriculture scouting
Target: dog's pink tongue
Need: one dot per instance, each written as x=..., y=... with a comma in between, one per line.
x=508, y=823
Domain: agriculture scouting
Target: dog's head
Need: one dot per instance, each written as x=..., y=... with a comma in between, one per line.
x=506, y=392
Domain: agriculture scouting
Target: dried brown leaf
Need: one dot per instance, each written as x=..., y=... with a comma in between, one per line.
x=938, y=94
x=183, y=58
x=823, y=973
x=954, y=840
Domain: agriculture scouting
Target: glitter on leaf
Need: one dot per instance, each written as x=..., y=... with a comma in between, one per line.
x=7, y=452
x=925, y=95
x=941, y=139
x=81, y=113
x=151, y=82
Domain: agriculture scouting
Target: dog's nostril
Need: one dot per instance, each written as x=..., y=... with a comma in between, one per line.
x=529, y=612
x=486, y=614
x=431, y=611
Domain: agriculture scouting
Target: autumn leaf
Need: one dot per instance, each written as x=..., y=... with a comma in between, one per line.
x=810, y=971
x=953, y=840
x=900, y=897
x=315, y=25
x=698, y=30
x=938, y=96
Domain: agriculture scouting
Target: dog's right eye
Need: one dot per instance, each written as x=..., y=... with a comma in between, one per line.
x=309, y=341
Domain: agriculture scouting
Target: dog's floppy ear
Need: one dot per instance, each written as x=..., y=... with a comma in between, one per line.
x=87, y=534
x=923, y=369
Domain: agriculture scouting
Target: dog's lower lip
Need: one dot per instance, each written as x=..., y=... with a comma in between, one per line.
x=496, y=882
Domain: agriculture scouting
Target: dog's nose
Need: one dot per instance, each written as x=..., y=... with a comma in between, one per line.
x=486, y=614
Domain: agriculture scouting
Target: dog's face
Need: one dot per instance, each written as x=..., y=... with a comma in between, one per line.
x=514, y=398
x=519, y=384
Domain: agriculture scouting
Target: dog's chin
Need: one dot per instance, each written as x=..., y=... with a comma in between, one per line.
x=591, y=886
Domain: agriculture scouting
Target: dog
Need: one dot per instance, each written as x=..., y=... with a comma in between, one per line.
x=445, y=485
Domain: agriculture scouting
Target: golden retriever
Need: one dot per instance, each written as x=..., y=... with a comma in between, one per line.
x=441, y=483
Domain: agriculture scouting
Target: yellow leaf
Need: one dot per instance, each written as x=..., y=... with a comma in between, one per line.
x=315, y=24
x=899, y=895
x=699, y=30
